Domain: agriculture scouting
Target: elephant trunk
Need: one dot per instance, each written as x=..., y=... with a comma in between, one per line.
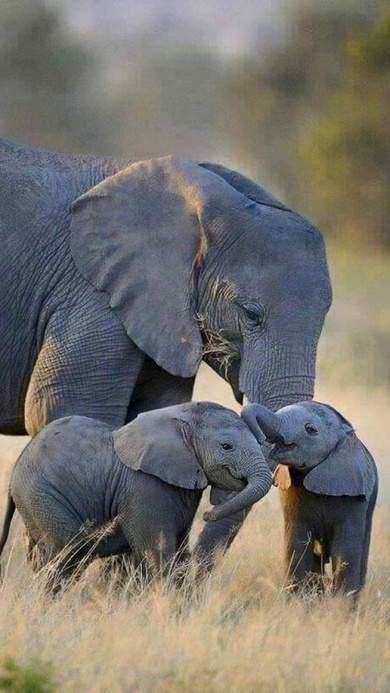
x=262, y=422
x=279, y=375
x=278, y=401
x=258, y=485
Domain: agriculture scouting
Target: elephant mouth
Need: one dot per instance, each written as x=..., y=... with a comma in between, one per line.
x=238, y=484
x=281, y=449
x=225, y=479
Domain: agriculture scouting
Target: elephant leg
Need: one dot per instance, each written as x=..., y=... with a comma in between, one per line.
x=320, y=557
x=35, y=553
x=367, y=538
x=154, y=544
x=60, y=566
x=181, y=562
x=87, y=365
x=347, y=551
x=56, y=541
x=218, y=535
x=317, y=578
x=66, y=568
x=156, y=556
x=299, y=558
x=183, y=551
x=155, y=388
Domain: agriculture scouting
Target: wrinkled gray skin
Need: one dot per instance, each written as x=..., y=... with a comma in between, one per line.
x=328, y=492
x=79, y=473
x=118, y=277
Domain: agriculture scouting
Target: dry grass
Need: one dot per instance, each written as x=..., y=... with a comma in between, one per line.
x=240, y=633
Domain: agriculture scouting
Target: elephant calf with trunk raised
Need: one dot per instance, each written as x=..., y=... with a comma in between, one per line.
x=79, y=473
x=328, y=490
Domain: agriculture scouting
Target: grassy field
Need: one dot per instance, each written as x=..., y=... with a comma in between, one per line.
x=240, y=633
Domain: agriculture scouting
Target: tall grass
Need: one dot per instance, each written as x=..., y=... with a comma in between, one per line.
x=241, y=631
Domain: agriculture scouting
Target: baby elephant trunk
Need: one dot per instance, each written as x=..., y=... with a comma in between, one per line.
x=259, y=483
x=261, y=421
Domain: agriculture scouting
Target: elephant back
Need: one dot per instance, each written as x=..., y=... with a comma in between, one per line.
x=72, y=452
x=37, y=189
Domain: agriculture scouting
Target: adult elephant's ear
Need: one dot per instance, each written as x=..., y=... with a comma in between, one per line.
x=138, y=235
x=345, y=472
x=245, y=186
x=158, y=443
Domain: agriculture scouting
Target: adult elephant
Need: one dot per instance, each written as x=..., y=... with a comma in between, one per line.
x=118, y=277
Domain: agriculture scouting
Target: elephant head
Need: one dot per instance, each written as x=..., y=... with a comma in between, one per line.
x=200, y=262
x=197, y=444
x=316, y=440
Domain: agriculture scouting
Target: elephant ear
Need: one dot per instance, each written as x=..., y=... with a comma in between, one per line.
x=345, y=472
x=136, y=236
x=158, y=443
x=245, y=186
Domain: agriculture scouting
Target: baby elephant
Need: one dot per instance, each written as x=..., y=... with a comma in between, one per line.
x=79, y=474
x=328, y=492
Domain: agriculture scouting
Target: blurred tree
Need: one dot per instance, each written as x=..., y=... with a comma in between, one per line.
x=313, y=118
x=346, y=153
x=48, y=81
x=170, y=99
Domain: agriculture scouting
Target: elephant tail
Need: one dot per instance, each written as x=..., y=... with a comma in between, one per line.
x=9, y=513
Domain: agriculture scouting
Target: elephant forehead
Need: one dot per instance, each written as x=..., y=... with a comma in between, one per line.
x=280, y=284
x=327, y=416
x=218, y=420
x=240, y=435
x=313, y=412
x=294, y=418
x=296, y=411
x=215, y=425
x=305, y=281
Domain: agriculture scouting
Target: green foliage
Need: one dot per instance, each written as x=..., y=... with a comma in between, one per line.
x=347, y=151
x=35, y=49
x=315, y=114
x=371, y=49
x=33, y=677
x=46, y=80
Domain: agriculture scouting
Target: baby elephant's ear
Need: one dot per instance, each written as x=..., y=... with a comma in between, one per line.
x=157, y=443
x=345, y=472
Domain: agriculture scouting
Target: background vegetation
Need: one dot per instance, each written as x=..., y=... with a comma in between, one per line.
x=301, y=104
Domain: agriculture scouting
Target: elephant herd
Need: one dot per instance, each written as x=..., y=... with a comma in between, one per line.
x=117, y=278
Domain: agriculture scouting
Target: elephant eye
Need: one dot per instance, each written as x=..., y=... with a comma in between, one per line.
x=254, y=314
x=311, y=430
x=227, y=446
